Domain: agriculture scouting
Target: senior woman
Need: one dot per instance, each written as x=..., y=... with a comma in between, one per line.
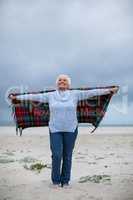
x=63, y=124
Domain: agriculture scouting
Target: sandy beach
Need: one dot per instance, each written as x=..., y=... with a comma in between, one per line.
x=102, y=167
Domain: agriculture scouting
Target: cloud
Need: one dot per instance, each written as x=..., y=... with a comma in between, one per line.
x=119, y=111
x=91, y=40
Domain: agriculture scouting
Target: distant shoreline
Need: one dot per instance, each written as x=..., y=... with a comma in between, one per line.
x=83, y=130
x=83, y=125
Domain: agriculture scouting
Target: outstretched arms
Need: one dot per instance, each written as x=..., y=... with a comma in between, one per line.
x=34, y=97
x=85, y=94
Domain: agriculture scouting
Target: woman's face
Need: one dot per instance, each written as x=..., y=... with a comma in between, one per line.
x=63, y=83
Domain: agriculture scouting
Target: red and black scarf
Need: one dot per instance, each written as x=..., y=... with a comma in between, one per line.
x=34, y=114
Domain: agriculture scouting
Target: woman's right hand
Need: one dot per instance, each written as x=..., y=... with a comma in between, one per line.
x=12, y=97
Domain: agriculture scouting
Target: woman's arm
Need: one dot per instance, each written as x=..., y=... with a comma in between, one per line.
x=85, y=94
x=35, y=97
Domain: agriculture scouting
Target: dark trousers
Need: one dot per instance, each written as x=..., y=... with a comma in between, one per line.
x=61, y=145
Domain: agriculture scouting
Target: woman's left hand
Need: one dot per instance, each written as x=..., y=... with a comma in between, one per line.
x=114, y=90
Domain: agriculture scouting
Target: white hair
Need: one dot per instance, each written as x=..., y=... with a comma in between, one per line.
x=64, y=76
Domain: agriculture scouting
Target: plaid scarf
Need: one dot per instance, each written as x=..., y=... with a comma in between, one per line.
x=34, y=114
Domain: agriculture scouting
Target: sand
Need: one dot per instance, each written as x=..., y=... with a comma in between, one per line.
x=106, y=154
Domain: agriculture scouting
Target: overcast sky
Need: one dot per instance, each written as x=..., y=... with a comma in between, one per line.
x=90, y=40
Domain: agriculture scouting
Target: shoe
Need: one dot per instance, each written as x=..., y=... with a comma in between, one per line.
x=54, y=186
x=66, y=186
